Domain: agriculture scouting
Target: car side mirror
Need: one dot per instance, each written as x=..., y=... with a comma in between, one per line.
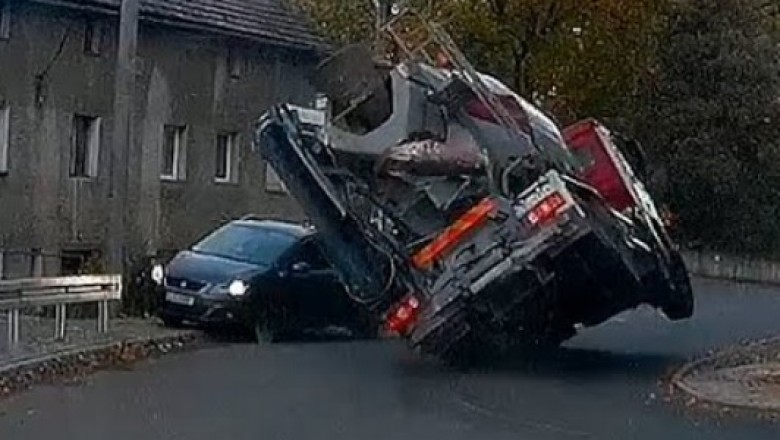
x=300, y=267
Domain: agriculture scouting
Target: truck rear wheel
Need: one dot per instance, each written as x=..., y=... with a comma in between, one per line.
x=679, y=303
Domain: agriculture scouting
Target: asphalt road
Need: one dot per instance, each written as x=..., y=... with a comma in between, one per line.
x=603, y=385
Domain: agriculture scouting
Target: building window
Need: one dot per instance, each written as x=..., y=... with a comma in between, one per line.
x=173, y=153
x=5, y=19
x=93, y=37
x=79, y=262
x=5, y=137
x=226, y=170
x=235, y=63
x=273, y=183
x=85, y=146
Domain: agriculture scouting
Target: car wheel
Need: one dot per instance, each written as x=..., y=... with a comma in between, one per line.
x=679, y=303
x=171, y=322
x=263, y=332
x=271, y=325
x=366, y=329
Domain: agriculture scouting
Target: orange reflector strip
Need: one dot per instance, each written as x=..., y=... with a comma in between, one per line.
x=468, y=222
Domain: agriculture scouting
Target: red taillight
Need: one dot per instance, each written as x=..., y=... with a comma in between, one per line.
x=546, y=210
x=403, y=317
x=470, y=221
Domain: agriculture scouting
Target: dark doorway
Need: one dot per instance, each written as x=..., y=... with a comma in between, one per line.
x=79, y=262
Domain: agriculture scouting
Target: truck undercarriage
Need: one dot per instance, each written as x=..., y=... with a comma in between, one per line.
x=461, y=214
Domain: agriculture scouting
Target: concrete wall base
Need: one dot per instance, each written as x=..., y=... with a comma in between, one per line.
x=730, y=267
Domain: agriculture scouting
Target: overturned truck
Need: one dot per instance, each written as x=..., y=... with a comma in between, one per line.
x=462, y=215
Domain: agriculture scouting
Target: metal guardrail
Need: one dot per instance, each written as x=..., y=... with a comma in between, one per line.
x=58, y=292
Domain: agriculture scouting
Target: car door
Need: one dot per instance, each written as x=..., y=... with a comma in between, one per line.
x=317, y=292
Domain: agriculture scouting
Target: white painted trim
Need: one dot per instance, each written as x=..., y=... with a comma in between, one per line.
x=5, y=137
x=93, y=147
x=231, y=159
x=179, y=156
x=310, y=116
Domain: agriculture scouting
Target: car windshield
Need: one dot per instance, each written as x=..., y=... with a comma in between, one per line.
x=251, y=244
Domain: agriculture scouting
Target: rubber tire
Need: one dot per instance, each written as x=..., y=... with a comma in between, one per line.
x=171, y=322
x=679, y=303
x=262, y=333
x=272, y=325
x=365, y=330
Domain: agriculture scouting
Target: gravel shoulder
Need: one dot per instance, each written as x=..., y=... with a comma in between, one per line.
x=40, y=358
x=37, y=335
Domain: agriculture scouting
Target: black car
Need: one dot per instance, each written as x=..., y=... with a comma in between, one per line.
x=268, y=276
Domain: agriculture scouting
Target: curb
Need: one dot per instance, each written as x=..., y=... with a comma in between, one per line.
x=732, y=267
x=677, y=379
x=733, y=280
x=79, y=361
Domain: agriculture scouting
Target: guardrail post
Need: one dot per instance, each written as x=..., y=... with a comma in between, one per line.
x=59, y=292
x=102, y=316
x=36, y=270
x=60, y=315
x=13, y=327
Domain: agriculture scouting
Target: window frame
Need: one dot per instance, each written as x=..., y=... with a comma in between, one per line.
x=5, y=138
x=178, y=162
x=5, y=20
x=93, y=37
x=235, y=62
x=232, y=145
x=91, y=156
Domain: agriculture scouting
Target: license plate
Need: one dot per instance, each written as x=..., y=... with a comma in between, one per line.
x=179, y=299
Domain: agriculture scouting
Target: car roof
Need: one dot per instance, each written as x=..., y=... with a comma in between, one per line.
x=297, y=230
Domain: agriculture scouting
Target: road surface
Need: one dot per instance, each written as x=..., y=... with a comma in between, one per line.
x=603, y=385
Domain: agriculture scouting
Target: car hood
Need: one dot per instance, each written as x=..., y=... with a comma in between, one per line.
x=210, y=269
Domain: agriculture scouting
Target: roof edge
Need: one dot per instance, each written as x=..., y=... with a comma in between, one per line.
x=100, y=8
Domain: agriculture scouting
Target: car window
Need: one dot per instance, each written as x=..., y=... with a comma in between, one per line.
x=312, y=254
x=247, y=243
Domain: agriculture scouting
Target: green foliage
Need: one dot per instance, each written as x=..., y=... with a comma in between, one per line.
x=342, y=21
x=577, y=58
x=713, y=123
x=695, y=81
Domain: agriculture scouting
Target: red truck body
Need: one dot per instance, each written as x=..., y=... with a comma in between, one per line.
x=604, y=168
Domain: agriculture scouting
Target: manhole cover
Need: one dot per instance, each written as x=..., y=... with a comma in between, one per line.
x=756, y=386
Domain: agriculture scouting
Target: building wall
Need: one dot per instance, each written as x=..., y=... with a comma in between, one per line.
x=182, y=78
x=189, y=80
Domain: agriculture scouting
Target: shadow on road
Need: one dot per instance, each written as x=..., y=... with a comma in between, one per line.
x=239, y=335
x=571, y=363
x=587, y=363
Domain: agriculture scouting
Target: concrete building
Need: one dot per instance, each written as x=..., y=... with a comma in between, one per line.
x=204, y=71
